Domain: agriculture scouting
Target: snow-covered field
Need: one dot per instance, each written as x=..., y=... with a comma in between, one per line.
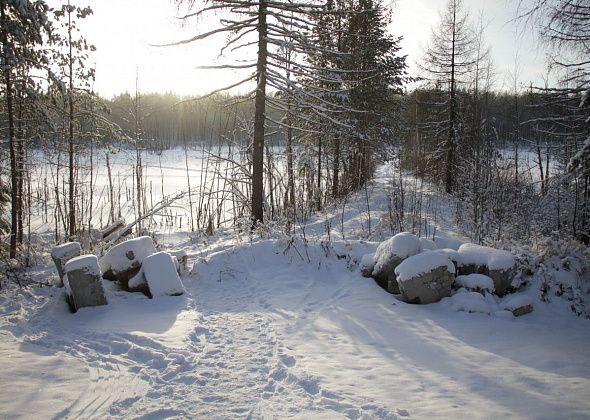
x=164, y=175
x=273, y=328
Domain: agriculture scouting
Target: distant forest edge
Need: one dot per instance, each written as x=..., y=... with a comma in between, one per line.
x=169, y=120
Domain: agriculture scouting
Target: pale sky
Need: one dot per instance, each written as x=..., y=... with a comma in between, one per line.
x=125, y=30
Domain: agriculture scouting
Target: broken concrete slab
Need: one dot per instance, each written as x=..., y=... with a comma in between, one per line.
x=83, y=282
x=61, y=254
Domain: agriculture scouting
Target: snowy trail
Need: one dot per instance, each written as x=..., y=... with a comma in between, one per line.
x=269, y=329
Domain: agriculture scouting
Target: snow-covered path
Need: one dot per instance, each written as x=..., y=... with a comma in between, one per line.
x=270, y=330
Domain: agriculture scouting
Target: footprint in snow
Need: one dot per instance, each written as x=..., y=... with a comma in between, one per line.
x=287, y=360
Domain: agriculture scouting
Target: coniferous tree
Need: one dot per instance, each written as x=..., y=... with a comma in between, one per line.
x=269, y=26
x=447, y=68
x=377, y=72
x=361, y=73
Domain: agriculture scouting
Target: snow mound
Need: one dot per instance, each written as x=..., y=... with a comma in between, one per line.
x=402, y=245
x=448, y=242
x=428, y=244
x=514, y=302
x=161, y=276
x=367, y=264
x=470, y=302
x=476, y=282
x=451, y=254
x=121, y=256
x=368, y=261
x=422, y=263
x=494, y=259
x=504, y=314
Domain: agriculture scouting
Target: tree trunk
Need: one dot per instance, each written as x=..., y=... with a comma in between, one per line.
x=449, y=178
x=319, y=184
x=71, y=204
x=259, y=116
x=290, y=176
x=336, y=166
x=11, y=134
x=20, y=162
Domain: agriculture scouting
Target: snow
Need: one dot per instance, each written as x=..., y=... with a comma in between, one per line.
x=137, y=280
x=469, y=302
x=178, y=253
x=494, y=259
x=368, y=261
x=66, y=283
x=160, y=274
x=88, y=263
x=476, y=281
x=117, y=258
x=402, y=245
x=584, y=98
x=513, y=302
x=422, y=263
x=267, y=330
x=427, y=244
x=449, y=253
x=66, y=250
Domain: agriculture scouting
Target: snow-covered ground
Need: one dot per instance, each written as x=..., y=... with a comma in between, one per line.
x=277, y=328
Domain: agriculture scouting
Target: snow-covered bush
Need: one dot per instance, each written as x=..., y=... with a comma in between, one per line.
x=563, y=268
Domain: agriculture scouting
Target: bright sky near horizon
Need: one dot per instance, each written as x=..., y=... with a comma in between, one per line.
x=124, y=33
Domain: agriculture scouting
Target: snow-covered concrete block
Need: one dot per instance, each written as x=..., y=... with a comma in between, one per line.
x=160, y=275
x=367, y=264
x=498, y=264
x=503, y=279
x=426, y=277
x=390, y=254
x=517, y=304
x=124, y=260
x=61, y=254
x=83, y=282
x=476, y=283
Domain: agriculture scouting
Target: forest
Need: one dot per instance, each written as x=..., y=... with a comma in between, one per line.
x=283, y=189
x=338, y=96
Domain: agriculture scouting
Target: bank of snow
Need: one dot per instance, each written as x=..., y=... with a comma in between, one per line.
x=263, y=332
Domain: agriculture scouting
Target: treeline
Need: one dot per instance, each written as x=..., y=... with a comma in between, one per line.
x=475, y=142
x=327, y=79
